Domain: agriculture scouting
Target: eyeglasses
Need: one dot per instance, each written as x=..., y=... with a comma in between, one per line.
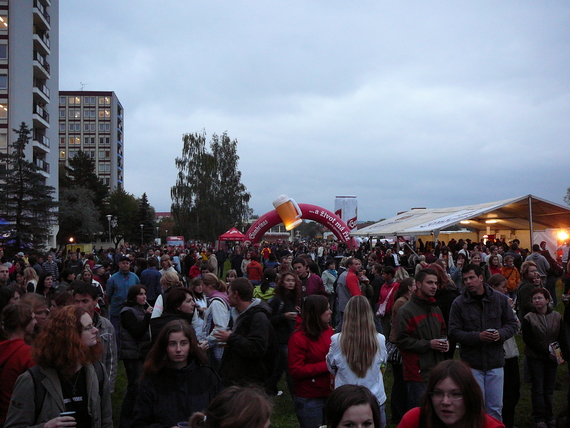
x=90, y=327
x=439, y=395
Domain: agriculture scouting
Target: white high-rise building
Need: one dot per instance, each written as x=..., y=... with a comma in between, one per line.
x=29, y=57
x=92, y=121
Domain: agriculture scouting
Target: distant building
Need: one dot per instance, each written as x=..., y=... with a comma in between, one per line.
x=93, y=121
x=29, y=58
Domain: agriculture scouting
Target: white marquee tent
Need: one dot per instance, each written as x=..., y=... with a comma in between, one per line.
x=519, y=217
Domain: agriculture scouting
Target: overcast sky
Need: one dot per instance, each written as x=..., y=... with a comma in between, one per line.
x=401, y=103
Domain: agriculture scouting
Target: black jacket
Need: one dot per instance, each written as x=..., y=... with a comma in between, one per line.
x=171, y=396
x=247, y=357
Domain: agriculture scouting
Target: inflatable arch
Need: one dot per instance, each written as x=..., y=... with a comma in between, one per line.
x=310, y=212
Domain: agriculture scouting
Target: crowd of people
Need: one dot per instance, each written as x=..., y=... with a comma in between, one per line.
x=201, y=344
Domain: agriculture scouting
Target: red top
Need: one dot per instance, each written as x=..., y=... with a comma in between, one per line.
x=353, y=284
x=254, y=271
x=412, y=420
x=16, y=357
x=307, y=364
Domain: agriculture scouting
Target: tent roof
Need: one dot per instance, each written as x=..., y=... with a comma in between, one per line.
x=509, y=214
x=232, y=235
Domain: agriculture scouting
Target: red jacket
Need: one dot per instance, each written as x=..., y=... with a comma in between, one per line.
x=16, y=357
x=254, y=271
x=412, y=420
x=307, y=364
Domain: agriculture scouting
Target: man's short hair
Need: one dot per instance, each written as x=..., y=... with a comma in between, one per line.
x=124, y=259
x=535, y=248
x=423, y=273
x=152, y=262
x=472, y=267
x=244, y=289
x=389, y=270
x=299, y=260
x=83, y=288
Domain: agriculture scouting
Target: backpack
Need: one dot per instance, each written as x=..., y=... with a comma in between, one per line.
x=40, y=390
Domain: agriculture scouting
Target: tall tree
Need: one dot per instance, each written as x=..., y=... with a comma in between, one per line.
x=82, y=200
x=146, y=218
x=124, y=208
x=28, y=206
x=567, y=197
x=209, y=196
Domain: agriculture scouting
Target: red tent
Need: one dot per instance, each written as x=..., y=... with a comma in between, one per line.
x=232, y=235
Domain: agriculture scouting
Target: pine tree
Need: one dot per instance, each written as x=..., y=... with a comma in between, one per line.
x=27, y=204
x=146, y=218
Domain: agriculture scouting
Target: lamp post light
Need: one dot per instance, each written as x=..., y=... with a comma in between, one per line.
x=109, y=216
x=142, y=238
x=166, y=237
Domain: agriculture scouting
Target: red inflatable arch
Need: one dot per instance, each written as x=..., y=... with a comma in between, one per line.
x=310, y=212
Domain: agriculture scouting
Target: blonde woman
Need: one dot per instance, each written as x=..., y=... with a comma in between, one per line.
x=357, y=354
x=30, y=279
x=168, y=280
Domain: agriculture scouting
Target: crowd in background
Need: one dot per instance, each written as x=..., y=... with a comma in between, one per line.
x=186, y=328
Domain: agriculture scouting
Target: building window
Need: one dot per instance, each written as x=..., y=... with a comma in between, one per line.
x=3, y=51
x=89, y=100
x=75, y=100
x=62, y=127
x=61, y=101
x=3, y=81
x=104, y=100
x=3, y=141
x=3, y=22
x=105, y=113
x=74, y=140
x=62, y=154
x=71, y=127
x=61, y=112
x=3, y=111
x=62, y=141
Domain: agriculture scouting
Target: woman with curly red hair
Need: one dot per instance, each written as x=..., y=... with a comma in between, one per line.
x=68, y=370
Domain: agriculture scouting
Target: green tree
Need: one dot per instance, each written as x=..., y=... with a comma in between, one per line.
x=124, y=208
x=28, y=206
x=78, y=215
x=82, y=200
x=567, y=197
x=146, y=218
x=208, y=197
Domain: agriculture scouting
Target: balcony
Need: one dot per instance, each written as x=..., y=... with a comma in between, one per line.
x=41, y=115
x=41, y=91
x=41, y=66
x=41, y=15
x=42, y=41
x=42, y=165
x=40, y=140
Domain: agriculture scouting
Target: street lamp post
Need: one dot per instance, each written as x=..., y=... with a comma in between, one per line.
x=142, y=238
x=166, y=237
x=109, y=216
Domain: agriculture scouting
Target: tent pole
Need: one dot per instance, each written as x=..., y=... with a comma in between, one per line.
x=530, y=219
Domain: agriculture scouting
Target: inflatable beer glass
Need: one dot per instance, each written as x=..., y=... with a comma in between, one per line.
x=289, y=211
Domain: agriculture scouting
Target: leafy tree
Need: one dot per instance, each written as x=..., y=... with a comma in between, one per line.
x=82, y=199
x=567, y=197
x=28, y=206
x=124, y=208
x=78, y=215
x=208, y=197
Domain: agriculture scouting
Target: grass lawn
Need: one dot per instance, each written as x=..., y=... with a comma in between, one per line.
x=284, y=414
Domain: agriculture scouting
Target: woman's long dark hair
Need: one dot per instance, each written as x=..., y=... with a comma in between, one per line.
x=314, y=307
x=157, y=357
x=284, y=293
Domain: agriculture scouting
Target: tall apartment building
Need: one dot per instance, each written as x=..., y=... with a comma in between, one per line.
x=29, y=58
x=92, y=121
